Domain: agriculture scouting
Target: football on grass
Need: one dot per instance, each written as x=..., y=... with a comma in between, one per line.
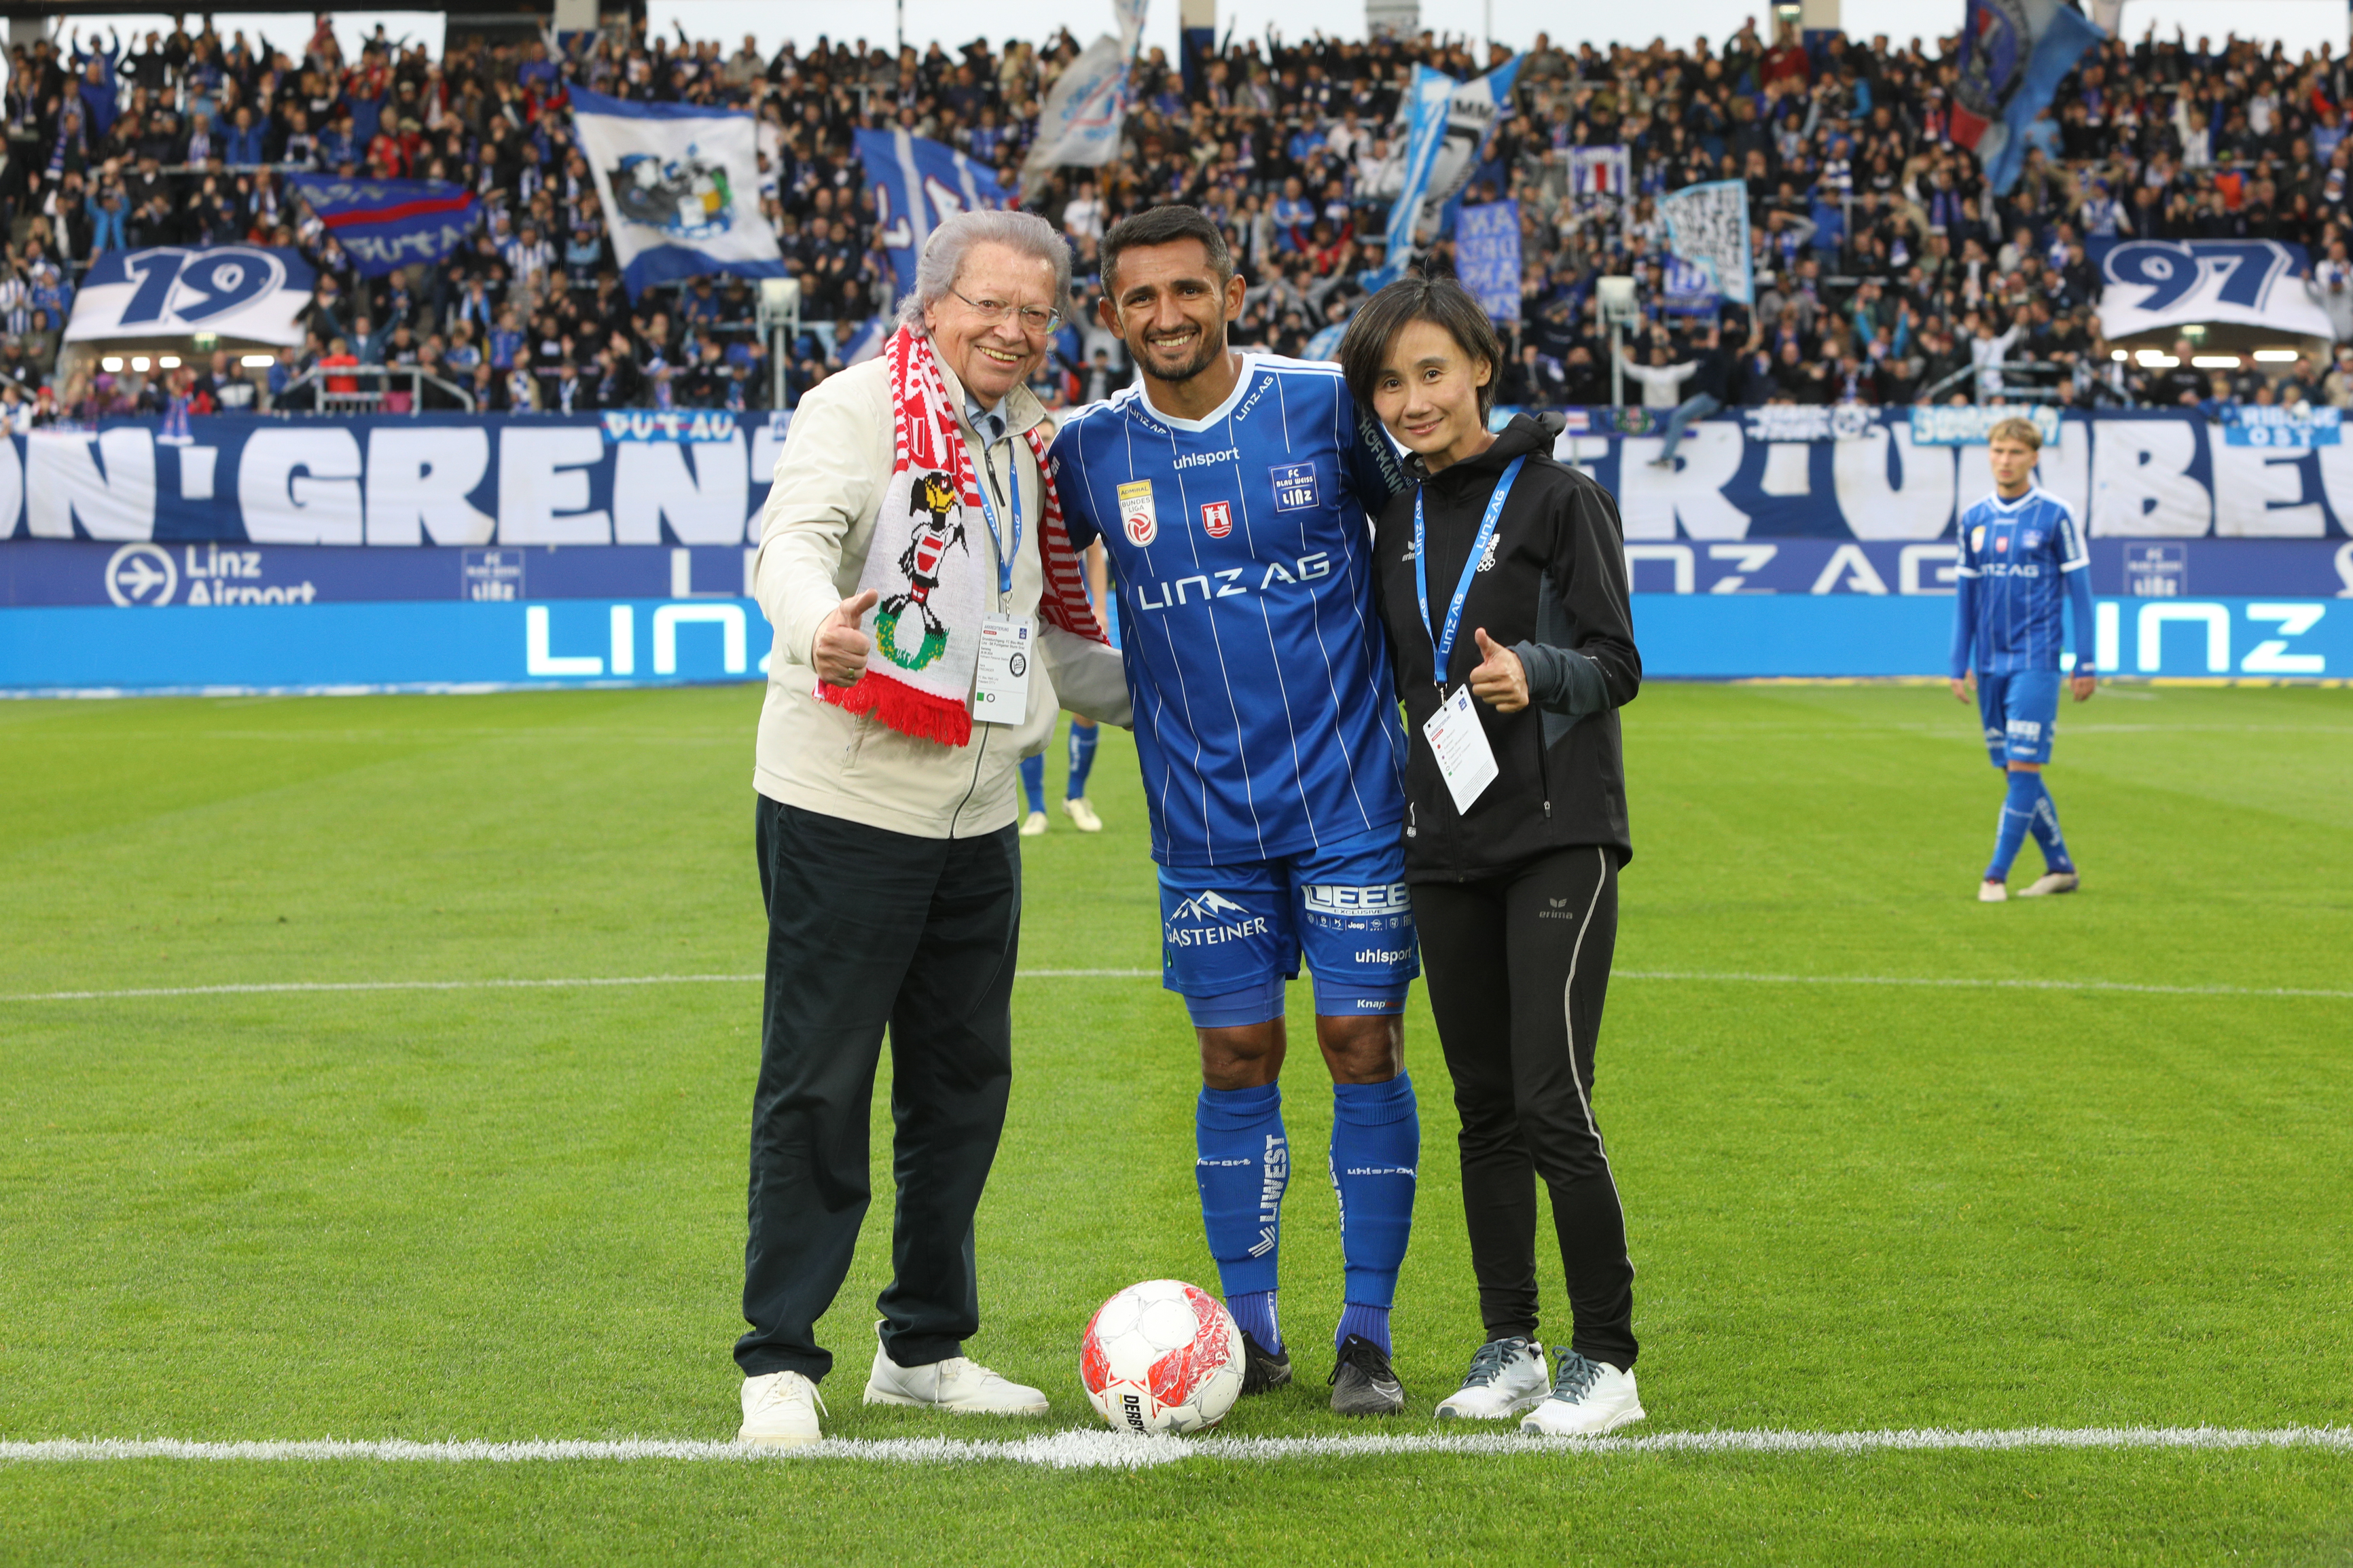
x=1162, y=1356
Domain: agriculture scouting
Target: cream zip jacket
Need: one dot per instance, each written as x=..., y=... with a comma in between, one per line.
x=814, y=535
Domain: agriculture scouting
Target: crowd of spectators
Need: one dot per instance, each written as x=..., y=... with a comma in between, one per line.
x=1887, y=270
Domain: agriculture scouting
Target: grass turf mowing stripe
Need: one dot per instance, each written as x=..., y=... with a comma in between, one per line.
x=1706, y=976
x=1116, y=1450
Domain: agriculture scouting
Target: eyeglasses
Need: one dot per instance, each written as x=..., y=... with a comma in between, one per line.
x=1036, y=319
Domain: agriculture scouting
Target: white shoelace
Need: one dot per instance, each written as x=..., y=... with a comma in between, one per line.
x=784, y=1392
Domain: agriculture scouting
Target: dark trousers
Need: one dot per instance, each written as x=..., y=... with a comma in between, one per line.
x=866, y=928
x=1518, y=967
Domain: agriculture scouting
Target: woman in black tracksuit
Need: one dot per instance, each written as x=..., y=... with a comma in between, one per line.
x=1516, y=898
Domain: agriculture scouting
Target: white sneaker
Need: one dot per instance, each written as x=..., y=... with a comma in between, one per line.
x=1081, y=811
x=1506, y=1376
x=2051, y=882
x=1589, y=1399
x=780, y=1411
x=1988, y=892
x=1033, y=825
x=957, y=1384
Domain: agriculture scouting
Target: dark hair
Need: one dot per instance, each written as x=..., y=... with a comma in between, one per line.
x=1439, y=300
x=1163, y=225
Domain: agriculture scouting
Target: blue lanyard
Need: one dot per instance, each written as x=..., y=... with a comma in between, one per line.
x=1013, y=487
x=1440, y=647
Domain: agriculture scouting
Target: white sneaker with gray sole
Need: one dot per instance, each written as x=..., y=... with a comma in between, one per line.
x=780, y=1411
x=959, y=1383
x=1992, y=892
x=2051, y=882
x=1589, y=1398
x=1506, y=1376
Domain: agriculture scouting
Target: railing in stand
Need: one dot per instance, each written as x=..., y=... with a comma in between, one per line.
x=1970, y=372
x=364, y=400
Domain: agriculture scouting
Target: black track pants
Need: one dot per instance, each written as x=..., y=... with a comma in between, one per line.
x=866, y=928
x=1518, y=967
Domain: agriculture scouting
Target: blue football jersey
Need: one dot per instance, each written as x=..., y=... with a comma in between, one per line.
x=1265, y=718
x=2019, y=554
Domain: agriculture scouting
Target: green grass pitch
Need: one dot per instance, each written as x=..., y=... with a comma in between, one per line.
x=518, y=1213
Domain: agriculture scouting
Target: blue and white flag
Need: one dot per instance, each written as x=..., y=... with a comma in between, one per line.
x=386, y=224
x=1447, y=125
x=1325, y=346
x=1690, y=290
x=1083, y=114
x=2014, y=53
x=917, y=181
x=1487, y=256
x=241, y=293
x=1597, y=172
x=679, y=185
x=867, y=342
x=1707, y=225
x=2153, y=285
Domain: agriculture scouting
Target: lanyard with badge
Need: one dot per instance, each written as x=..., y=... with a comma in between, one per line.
x=1000, y=692
x=1465, y=761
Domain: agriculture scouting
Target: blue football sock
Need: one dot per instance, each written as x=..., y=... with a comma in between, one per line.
x=1371, y=1322
x=2017, y=811
x=1243, y=1165
x=1033, y=782
x=1254, y=1314
x=1376, y=1150
x=2045, y=825
x=1082, y=759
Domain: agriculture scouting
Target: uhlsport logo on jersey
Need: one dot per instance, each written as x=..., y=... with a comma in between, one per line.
x=1137, y=516
x=1294, y=486
x=1217, y=518
x=1209, y=919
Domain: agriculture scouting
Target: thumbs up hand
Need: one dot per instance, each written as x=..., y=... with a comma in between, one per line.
x=1500, y=681
x=840, y=650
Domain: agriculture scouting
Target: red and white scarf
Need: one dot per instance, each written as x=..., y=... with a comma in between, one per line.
x=931, y=566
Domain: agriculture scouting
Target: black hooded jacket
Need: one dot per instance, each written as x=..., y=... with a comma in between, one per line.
x=1556, y=594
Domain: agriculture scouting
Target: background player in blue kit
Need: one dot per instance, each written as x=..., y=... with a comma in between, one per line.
x=1234, y=492
x=2022, y=553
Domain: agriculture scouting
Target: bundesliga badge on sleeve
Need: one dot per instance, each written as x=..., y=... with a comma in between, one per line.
x=1137, y=516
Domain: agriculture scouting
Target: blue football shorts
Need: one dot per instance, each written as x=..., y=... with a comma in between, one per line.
x=1231, y=935
x=2019, y=710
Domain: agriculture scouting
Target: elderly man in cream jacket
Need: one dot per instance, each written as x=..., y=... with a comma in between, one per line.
x=886, y=807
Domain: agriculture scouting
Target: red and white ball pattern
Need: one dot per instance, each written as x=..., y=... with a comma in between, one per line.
x=1162, y=1356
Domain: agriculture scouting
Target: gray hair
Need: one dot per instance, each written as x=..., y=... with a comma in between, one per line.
x=943, y=255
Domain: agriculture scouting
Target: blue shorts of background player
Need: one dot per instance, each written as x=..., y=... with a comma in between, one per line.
x=1230, y=937
x=2019, y=710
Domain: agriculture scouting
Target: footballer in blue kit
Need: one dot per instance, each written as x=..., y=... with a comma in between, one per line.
x=1234, y=492
x=2021, y=557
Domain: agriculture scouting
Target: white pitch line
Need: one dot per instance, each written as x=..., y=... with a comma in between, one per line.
x=302, y=985
x=282, y=987
x=1987, y=984
x=1963, y=983
x=1112, y=1450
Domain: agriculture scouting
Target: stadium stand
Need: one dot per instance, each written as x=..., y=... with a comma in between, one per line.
x=1888, y=273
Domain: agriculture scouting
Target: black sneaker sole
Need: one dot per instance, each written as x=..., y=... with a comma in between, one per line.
x=1356, y=1394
